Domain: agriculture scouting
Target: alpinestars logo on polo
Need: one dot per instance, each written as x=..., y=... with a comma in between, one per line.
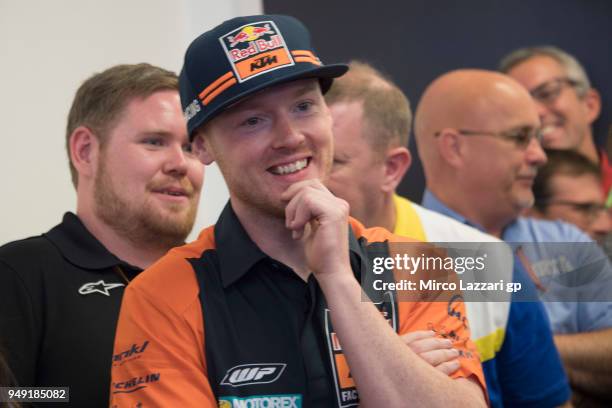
x=98, y=287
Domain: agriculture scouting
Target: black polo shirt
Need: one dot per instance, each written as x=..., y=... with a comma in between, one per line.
x=226, y=325
x=60, y=295
x=258, y=311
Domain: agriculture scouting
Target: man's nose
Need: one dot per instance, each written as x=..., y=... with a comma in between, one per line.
x=535, y=154
x=288, y=134
x=175, y=161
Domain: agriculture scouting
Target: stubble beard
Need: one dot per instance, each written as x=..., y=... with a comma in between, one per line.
x=255, y=200
x=143, y=225
x=250, y=197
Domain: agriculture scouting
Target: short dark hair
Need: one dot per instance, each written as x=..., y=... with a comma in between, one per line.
x=560, y=162
x=101, y=99
x=386, y=109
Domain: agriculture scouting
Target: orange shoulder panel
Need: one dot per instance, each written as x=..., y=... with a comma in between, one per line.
x=158, y=358
x=375, y=234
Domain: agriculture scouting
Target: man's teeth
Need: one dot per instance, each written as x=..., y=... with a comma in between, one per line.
x=173, y=193
x=290, y=168
x=548, y=129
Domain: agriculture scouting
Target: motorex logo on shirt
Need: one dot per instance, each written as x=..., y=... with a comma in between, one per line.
x=262, y=401
x=247, y=374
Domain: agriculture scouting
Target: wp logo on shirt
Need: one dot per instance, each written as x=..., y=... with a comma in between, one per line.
x=246, y=374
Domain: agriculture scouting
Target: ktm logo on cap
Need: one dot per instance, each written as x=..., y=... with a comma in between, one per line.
x=256, y=48
x=263, y=61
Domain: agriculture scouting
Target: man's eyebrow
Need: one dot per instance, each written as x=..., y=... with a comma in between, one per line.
x=342, y=156
x=251, y=101
x=157, y=133
x=526, y=127
x=154, y=132
x=309, y=87
x=521, y=126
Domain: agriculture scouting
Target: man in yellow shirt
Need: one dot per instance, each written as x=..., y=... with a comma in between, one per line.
x=372, y=121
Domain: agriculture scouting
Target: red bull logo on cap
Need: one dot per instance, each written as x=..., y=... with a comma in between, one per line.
x=249, y=33
x=256, y=48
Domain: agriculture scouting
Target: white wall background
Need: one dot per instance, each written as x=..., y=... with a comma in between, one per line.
x=47, y=48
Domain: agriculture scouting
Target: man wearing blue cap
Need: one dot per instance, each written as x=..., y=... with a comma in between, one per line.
x=265, y=308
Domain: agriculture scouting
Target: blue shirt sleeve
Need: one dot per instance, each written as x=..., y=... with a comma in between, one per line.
x=579, y=292
x=530, y=373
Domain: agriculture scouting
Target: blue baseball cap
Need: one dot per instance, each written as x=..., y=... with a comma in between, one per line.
x=243, y=56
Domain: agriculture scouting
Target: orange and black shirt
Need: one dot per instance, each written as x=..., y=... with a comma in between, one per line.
x=220, y=323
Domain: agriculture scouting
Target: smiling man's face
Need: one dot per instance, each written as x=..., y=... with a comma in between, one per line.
x=269, y=141
x=566, y=116
x=147, y=183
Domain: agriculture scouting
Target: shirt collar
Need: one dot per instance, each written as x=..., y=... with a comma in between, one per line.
x=432, y=202
x=238, y=253
x=515, y=231
x=357, y=254
x=80, y=247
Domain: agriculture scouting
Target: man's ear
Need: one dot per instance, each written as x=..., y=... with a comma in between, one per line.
x=450, y=146
x=397, y=163
x=592, y=101
x=84, y=151
x=202, y=149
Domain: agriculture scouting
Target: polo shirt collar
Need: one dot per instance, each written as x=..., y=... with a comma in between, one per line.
x=238, y=253
x=79, y=246
x=356, y=250
x=516, y=231
x=431, y=202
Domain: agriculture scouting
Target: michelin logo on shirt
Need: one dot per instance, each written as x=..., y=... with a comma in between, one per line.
x=262, y=401
x=135, y=383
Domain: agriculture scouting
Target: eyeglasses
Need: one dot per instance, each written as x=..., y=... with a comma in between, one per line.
x=590, y=210
x=549, y=91
x=520, y=137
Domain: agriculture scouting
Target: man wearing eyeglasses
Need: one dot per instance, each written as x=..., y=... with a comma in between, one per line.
x=566, y=103
x=478, y=137
x=568, y=188
x=372, y=121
